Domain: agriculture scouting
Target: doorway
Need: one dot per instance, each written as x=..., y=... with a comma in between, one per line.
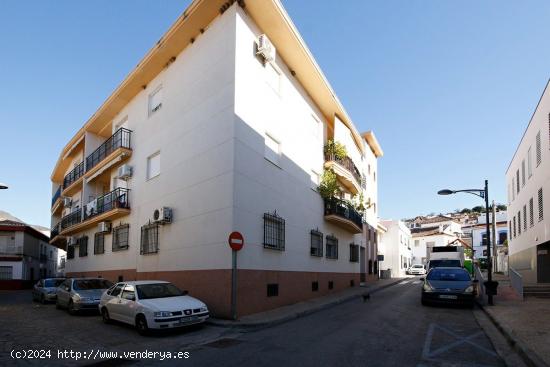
x=543, y=263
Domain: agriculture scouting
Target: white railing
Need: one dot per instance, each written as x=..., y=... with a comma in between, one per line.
x=480, y=279
x=516, y=281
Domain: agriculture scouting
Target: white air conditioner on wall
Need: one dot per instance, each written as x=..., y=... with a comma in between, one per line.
x=104, y=227
x=162, y=215
x=265, y=48
x=67, y=202
x=124, y=172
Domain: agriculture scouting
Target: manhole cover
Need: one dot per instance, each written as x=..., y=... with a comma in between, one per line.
x=223, y=343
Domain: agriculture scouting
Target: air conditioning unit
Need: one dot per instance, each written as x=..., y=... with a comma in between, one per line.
x=67, y=202
x=162, y=215
x=104, y=227
x=265, y=48
x=71, y=241
x=124, y=172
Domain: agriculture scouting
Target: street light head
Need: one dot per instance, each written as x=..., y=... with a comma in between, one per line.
x=3, y=186
x=445, y=192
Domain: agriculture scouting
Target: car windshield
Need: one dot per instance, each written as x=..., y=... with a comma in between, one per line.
x=158, y=290
x=449, y=275
x=444, y=263
x=50, y=283
x=85, y=284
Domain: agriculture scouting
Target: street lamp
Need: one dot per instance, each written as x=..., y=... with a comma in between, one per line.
x=3, y=186
x=484, y=194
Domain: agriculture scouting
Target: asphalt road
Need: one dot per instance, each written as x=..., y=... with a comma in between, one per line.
x=391, y=329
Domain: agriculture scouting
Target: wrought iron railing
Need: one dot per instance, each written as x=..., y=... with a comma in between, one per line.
x=120, y=139
x=74, y=175
x=343, y=209
x=56, y=195
x=71, y=219
x=55, y=230
x=118, y=198
x=347, y=163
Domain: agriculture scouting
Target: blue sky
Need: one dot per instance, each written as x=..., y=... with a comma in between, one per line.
x=447, y=86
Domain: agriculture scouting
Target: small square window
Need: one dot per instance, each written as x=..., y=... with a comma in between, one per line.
x=330, y=284
x=155, y=100
x=99, y=243
x=316, y=248
x=274, y=232
x=120, y=237
x=82, y=244
x=314, y=286
x=272, y=150
x=149, y=239
x=272, y=290
x=332, y=247
x=153, y=165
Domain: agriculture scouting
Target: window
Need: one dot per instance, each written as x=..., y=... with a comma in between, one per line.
x=316, y=243
x=519, y=222
x=330, y=284
x=6, y=272
x=70, y=252
x=502, y=237
x=541, y=212
x=514, y=222
x=128, y=293
x=155, y=100
x=332, y=247
x=529, y=163
x=272, y=150
x=153, y=165
x=120, y=237
x=115, y=291
x=523, y=172
x=524, y=218
x=531, y=213
x=314, y=286
x=538, y=149
x=99, y=243
x=517, y=180
x=272, y=290
x=315, y=180
x=149, y=239
x=274, y=232
x=353, y=253
x=484, y=239
x=82, y=243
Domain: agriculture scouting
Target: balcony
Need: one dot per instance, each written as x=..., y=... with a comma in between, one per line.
x=111, y=152
x=110, y=206
x=71, y=219
x=56, y=196
x=346, y=171
x=344, y=215
x=73, y=179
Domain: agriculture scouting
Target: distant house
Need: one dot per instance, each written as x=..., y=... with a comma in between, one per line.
x=25, y=255
x=395, y=245
x=476, y=233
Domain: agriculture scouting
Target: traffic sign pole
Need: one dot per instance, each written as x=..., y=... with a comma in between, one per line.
x=234, y=286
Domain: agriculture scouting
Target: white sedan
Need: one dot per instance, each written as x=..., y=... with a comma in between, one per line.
x=416, y=269
x=151, y=304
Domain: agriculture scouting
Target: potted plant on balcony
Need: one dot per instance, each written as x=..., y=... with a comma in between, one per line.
x=335, y=149
x=328, y=188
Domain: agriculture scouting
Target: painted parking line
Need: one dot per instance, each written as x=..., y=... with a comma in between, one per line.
x=404, y=282
x=417, y=282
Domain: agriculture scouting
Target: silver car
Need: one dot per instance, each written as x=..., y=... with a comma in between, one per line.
x=76, y=294
x=45, y=290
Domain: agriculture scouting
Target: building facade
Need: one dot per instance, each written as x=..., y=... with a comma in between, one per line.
x=395, y=245
x=209, y=135
x=528, y=183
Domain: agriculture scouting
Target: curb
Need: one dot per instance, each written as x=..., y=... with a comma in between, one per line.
x=295, y=315
x=529, y=357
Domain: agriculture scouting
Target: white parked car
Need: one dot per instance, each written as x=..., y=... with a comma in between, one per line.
x=151, y=304
x=416, y=269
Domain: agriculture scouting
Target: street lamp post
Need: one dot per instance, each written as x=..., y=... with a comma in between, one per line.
x=3, y=186
x=484, y=194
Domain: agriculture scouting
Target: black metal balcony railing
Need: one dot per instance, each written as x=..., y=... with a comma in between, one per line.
x=71, y=219
x=344, y=210
x=347, y=163
x=120, y=139
x=55, y=230
x=56, y=195
x=74, y=175
x=118, y=198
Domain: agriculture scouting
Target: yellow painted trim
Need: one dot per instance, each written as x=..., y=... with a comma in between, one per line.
x=373, y=143
x=346, y=177
x=344, y=223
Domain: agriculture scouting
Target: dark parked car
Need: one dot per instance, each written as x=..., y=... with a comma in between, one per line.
x=448, y=285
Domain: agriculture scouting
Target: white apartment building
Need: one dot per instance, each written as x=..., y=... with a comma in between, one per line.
x=528, y=182
x=213, y=133
x=395, y=245
x=477, y=233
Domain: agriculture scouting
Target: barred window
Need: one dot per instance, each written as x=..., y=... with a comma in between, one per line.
x=517, y=180
x=274, y=232
x=538, y=149
x=524, y=218
x=541, y=211
x=82, y=244
x=531, y=213
x=316, y=243
x=149, y=239
x=6, y=272
x=519, y=222
x=353, y=253
x=70, y=252
x=99, y=243
x=332, y=247
x=120, y=237
x=523, y=172
x=514, y=221
x=510, y=227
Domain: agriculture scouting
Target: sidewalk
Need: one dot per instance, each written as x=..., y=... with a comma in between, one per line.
x=286, y=313
x=526, y=324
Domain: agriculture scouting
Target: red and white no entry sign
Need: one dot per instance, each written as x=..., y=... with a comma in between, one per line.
x=236, y=241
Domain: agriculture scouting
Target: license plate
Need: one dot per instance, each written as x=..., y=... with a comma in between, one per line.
x=185, y=320
x=447, y=296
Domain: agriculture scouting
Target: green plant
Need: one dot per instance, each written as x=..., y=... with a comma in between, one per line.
x=328, y=188
x=358, y=202
x=337, y=149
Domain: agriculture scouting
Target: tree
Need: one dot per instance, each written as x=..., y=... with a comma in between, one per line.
x=328, y=188
x=465, y=211
x=478, y=209
x=501, y=207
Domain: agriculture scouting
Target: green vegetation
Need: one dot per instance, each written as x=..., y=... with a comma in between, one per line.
x=335, y=148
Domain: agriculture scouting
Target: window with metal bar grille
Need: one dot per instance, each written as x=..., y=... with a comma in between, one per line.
x=274, y=232
x=82, y=244
x=523, y=172
x=149, y=239
x=332, y=247
x=517, y=180
x=538, y=149
x=541, y=211
x=120, y=237
x=514, y=221
x=353, y=253
x=99, y=243
x=524, y=218
x=519, y=222
x=316, y=243
x=70, y=252
x=531, y=213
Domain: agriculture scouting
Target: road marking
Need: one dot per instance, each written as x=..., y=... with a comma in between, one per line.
x=404, y=282
x=417, y=282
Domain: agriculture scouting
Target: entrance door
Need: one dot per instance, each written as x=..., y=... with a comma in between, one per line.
x=362, y=268
x=543, y=263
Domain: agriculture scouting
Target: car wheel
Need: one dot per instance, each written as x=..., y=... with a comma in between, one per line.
x=71, y=308
x=141, y=325
x=105, y=315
